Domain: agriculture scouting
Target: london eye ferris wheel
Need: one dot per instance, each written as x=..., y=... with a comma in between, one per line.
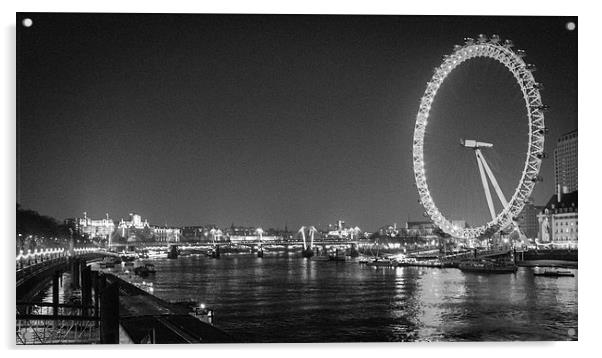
x=503, y=213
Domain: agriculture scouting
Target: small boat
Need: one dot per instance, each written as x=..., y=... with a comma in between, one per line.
x=203, y=313
x=109, y=262
x=197, y=310
x=425, y=263
x=407, y=261
x=145, y=270
x=382, y=263
x=547, y=273
x=484, y=266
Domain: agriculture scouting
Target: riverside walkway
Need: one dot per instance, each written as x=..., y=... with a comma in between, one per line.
x=145, y=318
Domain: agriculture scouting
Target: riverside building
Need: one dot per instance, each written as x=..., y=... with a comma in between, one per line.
x=559, y=222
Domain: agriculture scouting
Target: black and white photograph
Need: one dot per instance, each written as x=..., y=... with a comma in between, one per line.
x=234, y=178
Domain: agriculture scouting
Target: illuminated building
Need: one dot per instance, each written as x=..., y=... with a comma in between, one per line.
x=565, y=162
x=95, y=228
x=558, y=221
x=135, y=222
x=166, y=234
x=419, y=228
x=140, y=230
x=339, y=231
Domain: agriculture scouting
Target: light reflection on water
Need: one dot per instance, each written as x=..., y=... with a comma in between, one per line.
x=286, y=298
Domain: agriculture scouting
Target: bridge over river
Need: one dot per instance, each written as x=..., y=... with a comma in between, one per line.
x=107, y=309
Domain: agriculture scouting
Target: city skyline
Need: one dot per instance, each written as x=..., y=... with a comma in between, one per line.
x=258, y=120
x=268, y=178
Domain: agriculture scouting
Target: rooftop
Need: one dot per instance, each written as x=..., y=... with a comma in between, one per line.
x=568, y=203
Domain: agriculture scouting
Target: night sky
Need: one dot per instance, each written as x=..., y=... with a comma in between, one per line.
x=272, y=120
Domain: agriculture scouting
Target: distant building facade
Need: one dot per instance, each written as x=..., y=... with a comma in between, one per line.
x=135, y=222
x=565, y=162
x=528, y=222
x=166, y=234
x=419, y=228
x=102, y=228
x=199, y=233
x=558, y=221
x=339, y=231
x=136, y=229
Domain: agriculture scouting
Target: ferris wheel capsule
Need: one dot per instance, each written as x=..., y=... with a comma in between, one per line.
x=495, y=38
x=469, y=41
x=543, y=108
x=482, y=38
x=508, y=44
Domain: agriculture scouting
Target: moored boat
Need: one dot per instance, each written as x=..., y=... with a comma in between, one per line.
x=197, y=310
x=548, y=273
x=423, y=263
x=484, y=266
x=109, y=262
x=145, y=270
x=380, y=262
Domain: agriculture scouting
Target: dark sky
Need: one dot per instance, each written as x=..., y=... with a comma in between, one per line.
x=272, y=120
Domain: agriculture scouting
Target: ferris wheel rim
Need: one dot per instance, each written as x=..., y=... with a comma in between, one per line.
x=523, y=75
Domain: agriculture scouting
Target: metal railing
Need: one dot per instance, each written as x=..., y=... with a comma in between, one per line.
x=48, y=323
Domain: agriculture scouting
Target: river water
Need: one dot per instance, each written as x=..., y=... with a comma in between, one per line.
x=285, y=298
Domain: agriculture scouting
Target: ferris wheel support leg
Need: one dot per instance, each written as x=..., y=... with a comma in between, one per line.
x=485, y=185
x=496, y=186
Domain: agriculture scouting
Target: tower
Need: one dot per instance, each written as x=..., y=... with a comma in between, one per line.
x=565, y=162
